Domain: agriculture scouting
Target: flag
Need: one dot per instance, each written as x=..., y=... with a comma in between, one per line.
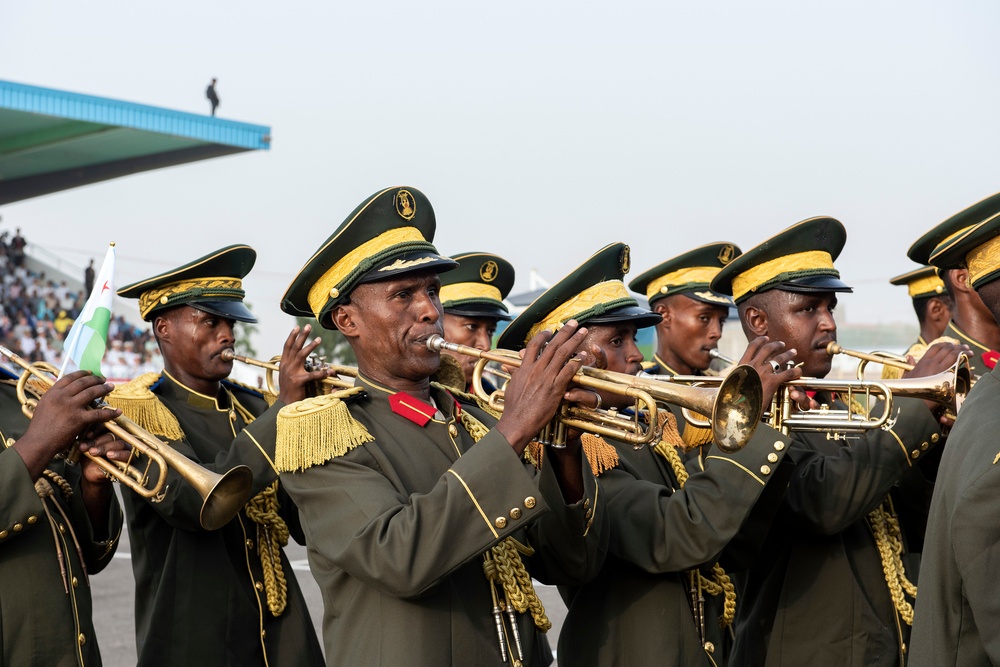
x=88, y=338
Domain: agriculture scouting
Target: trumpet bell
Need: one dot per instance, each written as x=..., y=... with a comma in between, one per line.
x=224, y=498
x=737, y=409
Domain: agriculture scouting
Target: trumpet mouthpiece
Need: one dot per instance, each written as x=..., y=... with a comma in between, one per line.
x=228, y=355
x=436, y=343
x=833, y=348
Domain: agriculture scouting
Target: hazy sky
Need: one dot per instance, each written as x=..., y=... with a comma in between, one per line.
x=539, y=130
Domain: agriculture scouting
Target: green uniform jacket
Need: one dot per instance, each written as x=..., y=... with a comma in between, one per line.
x=397, y=527
x=979, y=367
x=41, y=623
x=199, y=594
x=638, y=610
x=817, y=594
x=957, y=620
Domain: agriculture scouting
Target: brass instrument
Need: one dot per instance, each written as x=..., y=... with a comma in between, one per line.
x=735, y=406
x=312, y=364
x=715, y=354
x=222, y=495
x=948, y=388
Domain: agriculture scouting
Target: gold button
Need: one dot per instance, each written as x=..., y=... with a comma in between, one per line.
x=263, y=634
x=915, y=453
x=62, y=528
x=924, y=446
x=334, y=292
x=452, y=430
x=515, y=513
x=709, y=647
x=10, y=442
x=588, y=514
x=935, y=437
x=164, y=299
x=586, y=502
x=501, y=522
x=259, y=586
x=32, y=520
x=778, y=445
x=529, y=502
x=232, y=415
x=75, y=582
x=3, y=534
x=249, y=544
x=772, y=457
x=83, y=639
x=765, y=470
x=18, y=527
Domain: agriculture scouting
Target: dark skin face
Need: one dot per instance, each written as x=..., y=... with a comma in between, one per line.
x=388, y=323
x=615, y=349
x=689, y=329
x=803, y=321
x=936, y=319
x=475, y=332
x=192, y=342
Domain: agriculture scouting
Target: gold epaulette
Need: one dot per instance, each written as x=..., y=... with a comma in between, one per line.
x=142, y=406
x=450, y=374
x=315, y=430
x=646, y=365
x=601, y=455
x=468, y=398
x=695, y=436
x=268, y=396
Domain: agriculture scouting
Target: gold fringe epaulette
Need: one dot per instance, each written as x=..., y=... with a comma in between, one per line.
x=268, y=396
x=601, y=454
x=468, y=398
x=315, y=430
x=142, y=406
x=695, y=436
x=450, y=374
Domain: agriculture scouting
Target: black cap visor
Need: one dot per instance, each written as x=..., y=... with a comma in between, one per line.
x=419, y=260
x=814, y=284
x=233, y=310
x=479, y=310
x=641, y=317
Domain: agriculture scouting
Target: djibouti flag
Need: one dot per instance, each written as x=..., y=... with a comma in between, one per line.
x=88, y=338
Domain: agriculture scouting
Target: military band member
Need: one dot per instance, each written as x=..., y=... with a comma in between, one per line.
x=423, y=520
x=472, y=296
x=59, y=523
x=972, y=322
x=829, y=587
x=931, y=302
x=957, y=619
x=667, y=528
x=225, y=597
x=693, y=317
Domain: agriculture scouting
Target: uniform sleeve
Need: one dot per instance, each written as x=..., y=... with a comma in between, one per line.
x=829, y=492
x=975, y=537
x=100, y=542
x=570, y=541
x=403, y=545
x=664, y=531
x=20, y=506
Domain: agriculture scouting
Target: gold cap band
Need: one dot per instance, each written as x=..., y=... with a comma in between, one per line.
x=222, y=288
x=688, y=276
x=925, y=286
x=757, y=276
x=601, y=293
x=983, y=260
x=462, y=291
x=322, y=289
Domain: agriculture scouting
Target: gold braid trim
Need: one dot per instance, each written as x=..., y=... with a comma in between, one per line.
x=272, y=535
x=889, y=540
x=64, y=487
x=695, y=436
x=142, y=406
x=720, y=584
x=503, y=561
x=315, y=430
x=600, y=454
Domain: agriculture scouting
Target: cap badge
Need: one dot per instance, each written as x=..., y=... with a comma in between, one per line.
x=726, y=254
x=406, y=206
x=626, y=262
x=488, y=271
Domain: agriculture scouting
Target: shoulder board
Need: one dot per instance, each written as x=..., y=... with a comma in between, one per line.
x=137, y=401
x=233, y=385
x=649, y=365
x=315, y=430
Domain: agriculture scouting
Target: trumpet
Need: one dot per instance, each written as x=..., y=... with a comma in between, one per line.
x=715, y=354
x=735, y=406
x=312, y=364
x=222, y=495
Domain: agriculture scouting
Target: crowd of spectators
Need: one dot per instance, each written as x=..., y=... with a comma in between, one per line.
x=36, y=314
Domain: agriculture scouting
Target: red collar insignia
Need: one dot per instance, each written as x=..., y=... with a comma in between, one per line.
x=412, y=408
x=990, y=358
